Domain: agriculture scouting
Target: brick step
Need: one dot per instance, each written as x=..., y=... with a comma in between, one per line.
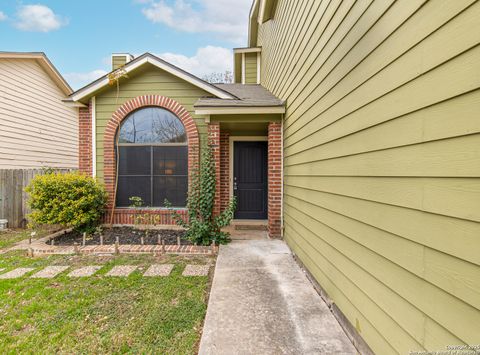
x=253, y=225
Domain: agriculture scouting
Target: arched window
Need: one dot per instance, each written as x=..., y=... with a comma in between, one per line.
x=153, y=158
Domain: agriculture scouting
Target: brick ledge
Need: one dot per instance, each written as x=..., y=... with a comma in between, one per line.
x=46, y=249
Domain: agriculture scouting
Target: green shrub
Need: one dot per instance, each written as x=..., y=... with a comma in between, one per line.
x=71, y=200
x=202, y=226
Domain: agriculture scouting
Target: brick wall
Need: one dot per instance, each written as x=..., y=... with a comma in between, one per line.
x=127, y=216
x=274, y=178
x=85, y=140
x=224, y=170
x=214, y=141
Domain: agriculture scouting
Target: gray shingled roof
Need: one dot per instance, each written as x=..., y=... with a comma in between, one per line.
x=248, y=96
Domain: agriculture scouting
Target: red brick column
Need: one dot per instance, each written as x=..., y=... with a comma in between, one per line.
x=214, y=141
x=85, y=157
x=274, y=178
x=224, y=170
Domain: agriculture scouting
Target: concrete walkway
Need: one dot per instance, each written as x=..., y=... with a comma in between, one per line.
x=262, y=303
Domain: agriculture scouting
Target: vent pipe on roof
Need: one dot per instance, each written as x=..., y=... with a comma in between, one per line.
x=120, y=59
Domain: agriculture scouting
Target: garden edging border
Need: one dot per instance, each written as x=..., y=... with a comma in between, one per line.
x=40, y=247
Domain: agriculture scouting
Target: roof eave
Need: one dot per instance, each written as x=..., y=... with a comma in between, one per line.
x=149, y=58
x=71, y=103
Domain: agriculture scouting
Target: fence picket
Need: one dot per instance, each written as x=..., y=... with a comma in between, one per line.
x=13, y=198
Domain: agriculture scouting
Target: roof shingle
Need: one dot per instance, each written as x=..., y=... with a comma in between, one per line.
x=248, y=96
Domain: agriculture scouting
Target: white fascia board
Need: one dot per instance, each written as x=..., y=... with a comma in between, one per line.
x=243, y=69
x=132, y=66
x=259, y=66
x=71, y=103
x=194, y=81
x=104, y=82
x=247, y=50
x=94, y=136
x=239, y=110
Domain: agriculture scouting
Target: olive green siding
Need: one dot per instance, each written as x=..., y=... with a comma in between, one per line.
x=118, y=61
x=250, y=68
x=382, y=161
x=147, y=80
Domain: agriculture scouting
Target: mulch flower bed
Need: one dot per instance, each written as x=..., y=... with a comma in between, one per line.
x=126, y=235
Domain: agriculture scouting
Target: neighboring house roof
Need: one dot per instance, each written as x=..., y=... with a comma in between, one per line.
x=45, y=63
x=160, y=63
x=248, y=96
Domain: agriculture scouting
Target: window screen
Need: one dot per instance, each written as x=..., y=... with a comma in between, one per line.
x=153, y=159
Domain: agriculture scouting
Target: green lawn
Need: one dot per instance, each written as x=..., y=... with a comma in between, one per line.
x=101, y=314
x=9, y=237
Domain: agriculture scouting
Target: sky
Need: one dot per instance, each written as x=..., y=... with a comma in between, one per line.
x=79, y=36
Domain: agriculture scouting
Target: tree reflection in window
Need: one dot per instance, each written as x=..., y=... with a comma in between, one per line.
x=153, y=158
x=152, y=125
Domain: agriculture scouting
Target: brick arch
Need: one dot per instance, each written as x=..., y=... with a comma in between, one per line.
x=122, y=112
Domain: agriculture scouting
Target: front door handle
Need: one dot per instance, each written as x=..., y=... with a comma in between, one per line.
x=234, y=183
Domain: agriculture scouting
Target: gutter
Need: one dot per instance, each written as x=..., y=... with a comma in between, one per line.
x=238, y=110
x=69, y=102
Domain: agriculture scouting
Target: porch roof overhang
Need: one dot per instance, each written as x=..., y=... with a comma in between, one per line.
x=251, y=99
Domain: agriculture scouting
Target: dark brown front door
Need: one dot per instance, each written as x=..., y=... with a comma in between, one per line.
x=250, y=181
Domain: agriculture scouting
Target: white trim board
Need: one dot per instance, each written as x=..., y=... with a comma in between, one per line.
x=246, y=110
x=231, y=140
x=159, y=63
x=243, y=68
x=94, y=136
x=247, y=50
x=259, y=67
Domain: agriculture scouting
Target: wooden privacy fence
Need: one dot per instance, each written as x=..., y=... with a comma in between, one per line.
x=13, y=198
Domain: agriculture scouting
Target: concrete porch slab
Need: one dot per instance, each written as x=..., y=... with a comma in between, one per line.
x=262, y=303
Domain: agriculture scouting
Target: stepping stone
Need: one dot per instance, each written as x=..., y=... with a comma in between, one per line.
x=84, y=271
x=49, y=272
x=121, y=270
x=16, y=273
x=159, y=270
x=196, y=270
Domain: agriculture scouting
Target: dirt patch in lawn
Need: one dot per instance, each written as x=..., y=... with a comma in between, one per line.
x=126, y=236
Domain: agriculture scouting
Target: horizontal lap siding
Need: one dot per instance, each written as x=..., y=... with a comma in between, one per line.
x=36, y=128
x=147, y=81
x=382, y=161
